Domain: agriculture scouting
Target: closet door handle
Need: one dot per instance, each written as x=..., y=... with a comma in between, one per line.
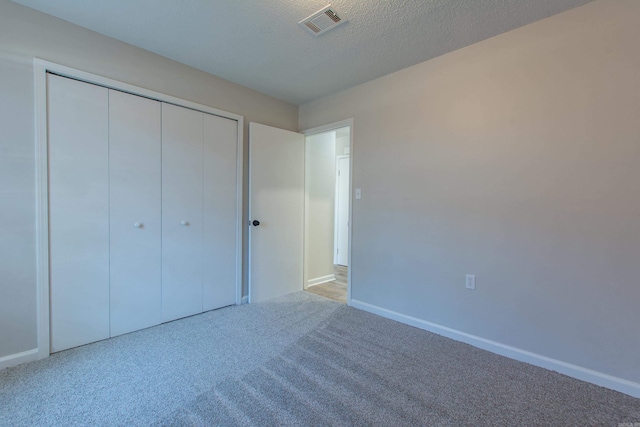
x=138, y=225
x=184, y=223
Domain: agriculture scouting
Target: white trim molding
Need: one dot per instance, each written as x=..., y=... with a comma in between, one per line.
x=42, y=207
x=598, y=378
x=321, y=280
x=331, y=126
x=41, y=68
x=18, y=358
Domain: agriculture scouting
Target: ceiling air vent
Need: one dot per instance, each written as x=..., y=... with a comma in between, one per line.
x=322, y=21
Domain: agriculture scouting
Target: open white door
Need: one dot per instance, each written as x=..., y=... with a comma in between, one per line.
x=276, y=211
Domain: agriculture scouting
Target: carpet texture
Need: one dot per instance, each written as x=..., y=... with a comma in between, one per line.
x=297, y=360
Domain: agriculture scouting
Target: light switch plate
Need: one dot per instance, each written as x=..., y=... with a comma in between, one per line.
x=358, y=193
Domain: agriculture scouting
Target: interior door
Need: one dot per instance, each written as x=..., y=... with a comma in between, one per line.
x=182, y=211
x=342, y=217
x=134, y=187
x=276, y=193
x=78, y=121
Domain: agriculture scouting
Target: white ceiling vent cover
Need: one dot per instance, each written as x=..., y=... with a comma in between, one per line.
x=322, y=21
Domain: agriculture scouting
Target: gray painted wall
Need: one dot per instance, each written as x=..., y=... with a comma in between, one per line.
x=24, y=34
x=515, y=159
x=17, y=207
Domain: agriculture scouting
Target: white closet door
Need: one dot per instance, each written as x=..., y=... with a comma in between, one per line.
x=78, y=212
x=135, y=218
x=220, y=211
x=182, y=150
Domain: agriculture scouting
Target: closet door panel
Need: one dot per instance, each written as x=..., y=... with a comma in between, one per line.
x=182, y=175
x=78, y=212
x=220, y=212
x=135, y=212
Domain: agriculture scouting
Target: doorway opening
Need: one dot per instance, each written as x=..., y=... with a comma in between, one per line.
x=327, y=212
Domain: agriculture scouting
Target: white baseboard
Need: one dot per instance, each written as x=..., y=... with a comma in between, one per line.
x=604, y=380
x=18, y=358
x=321, y=280
x=245, y=299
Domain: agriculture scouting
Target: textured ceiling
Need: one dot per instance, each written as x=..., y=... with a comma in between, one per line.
x=258, y=43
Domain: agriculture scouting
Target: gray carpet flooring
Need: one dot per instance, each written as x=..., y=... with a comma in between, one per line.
x=298, y=360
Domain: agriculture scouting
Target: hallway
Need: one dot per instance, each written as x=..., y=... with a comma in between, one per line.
x=335, y=290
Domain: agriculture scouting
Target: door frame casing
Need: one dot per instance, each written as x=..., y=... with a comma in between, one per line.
x=313, y=131
x=41, y=68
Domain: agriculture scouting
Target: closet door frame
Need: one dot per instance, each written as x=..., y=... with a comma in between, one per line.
x=41, y=68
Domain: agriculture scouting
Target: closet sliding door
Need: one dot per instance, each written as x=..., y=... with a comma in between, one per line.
x=135, y=220
x=220, y=211
x=182, y=184
x=143, y=212
x=78, y=122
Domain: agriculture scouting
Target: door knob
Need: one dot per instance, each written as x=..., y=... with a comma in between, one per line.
x=138, y=225
x=255, y=223
x=184, y=223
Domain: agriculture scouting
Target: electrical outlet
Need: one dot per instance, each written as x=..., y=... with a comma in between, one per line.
x=471, y=281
